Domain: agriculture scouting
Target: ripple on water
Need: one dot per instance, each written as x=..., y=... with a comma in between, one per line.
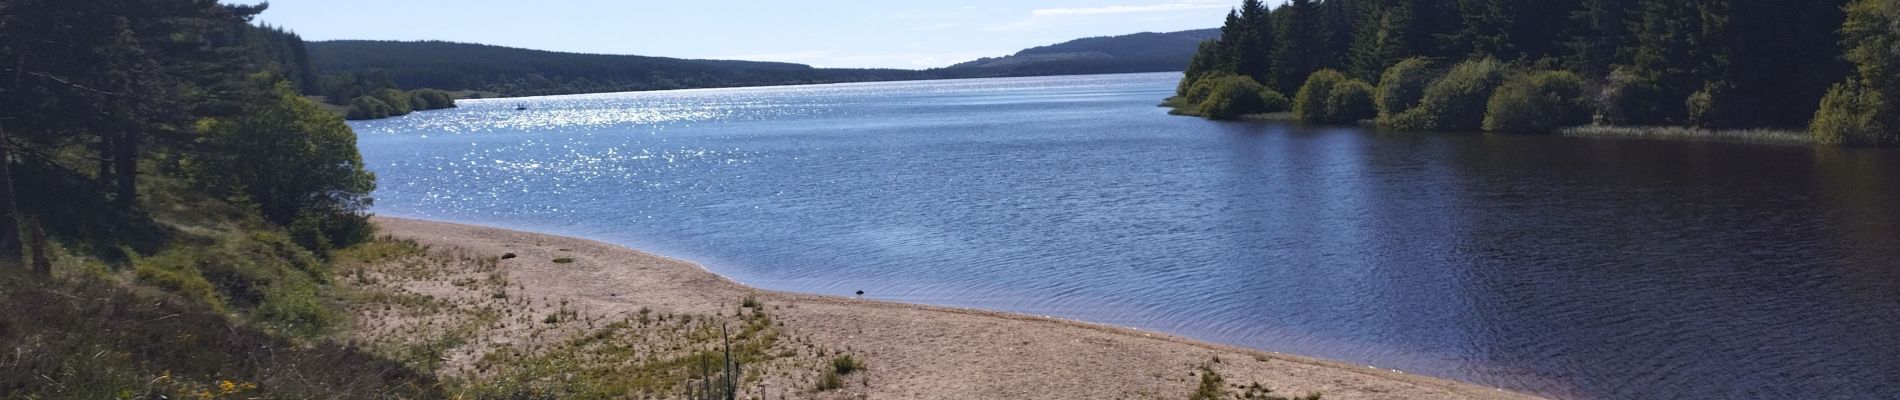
x=1570, y=268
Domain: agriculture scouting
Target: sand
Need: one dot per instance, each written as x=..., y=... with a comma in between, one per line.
x=927, y=352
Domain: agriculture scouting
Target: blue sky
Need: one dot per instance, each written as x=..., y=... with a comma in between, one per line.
x=842, y=33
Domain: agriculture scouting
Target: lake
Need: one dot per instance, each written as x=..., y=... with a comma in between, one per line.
x=1571, y=268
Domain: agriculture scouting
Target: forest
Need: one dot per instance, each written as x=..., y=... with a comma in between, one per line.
x=1541, y=65
x=521, y=72
x=168, y=204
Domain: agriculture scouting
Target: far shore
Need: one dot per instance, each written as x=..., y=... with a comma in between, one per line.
x=925, y=352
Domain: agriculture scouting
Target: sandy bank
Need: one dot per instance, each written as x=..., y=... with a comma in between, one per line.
x=924, y=352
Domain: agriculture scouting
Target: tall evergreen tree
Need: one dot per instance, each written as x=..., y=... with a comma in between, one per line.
x=1599, y=31
x=1302, y=46
x=1386, y=36
x=1253, y=48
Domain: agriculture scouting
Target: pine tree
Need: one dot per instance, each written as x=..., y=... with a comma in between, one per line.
x=1253, y=49
x=1384, y=38
x=1302, y=46
x=1599, y=32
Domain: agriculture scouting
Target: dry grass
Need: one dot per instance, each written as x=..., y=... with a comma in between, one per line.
x=1756, y=136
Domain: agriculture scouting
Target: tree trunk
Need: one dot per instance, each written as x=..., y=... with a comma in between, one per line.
x=42, y=261
x=10, y=252
x=125, y=162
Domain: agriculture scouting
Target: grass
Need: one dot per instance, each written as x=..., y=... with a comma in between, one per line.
x=564, y=260
x=84, y=337
x=1753, y=136
x=1179, y=106
x=1213, y=386
x=845, y=364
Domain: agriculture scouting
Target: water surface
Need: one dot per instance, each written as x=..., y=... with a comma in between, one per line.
x=1591, y=269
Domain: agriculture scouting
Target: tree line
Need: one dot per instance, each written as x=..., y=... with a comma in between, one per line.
x=368, y=95
x=111, y=110
x=1534, y=65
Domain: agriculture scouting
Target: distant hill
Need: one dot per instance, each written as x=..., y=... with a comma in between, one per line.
x=1141, y=52
x=523, y=72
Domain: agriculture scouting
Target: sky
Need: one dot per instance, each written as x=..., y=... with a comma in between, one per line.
x=906, y=34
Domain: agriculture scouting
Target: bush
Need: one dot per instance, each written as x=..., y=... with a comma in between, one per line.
x=1350, y=102
x=1203, y=88
x=1631, y=97
x=1854, y=114
x=365, y=107
x=431, y=99
x=1403, y=85
x=845, y=365
x=400, y=102
x=1538, y=103
x=1309, y=104
x=1233, y=96
x=1273, y=101
x=1455, y=102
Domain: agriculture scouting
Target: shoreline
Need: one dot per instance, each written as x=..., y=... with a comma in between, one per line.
x=923, y=351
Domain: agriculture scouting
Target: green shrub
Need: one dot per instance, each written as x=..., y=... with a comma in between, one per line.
x=1854, y=114
x=1350, y=102
x=263, y=274
x=1858, y=113
x=1403, y=85
x=1233, y=96
x=400, y=102
x=1455, y=102
x=431, y=99
x=845, y=365
x=1273, y=101
x=1538, y=103
x=1203, y=88
x=1631, y=97
x=1309, y=104
x=365, y=107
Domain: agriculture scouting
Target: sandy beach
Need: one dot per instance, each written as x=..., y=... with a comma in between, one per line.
x=923, y=352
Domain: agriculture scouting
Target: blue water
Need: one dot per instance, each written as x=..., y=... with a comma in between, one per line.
x=1596, y=269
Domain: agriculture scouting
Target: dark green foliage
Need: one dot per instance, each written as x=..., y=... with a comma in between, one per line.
x=431, y=99
x=89, y=339
x=1402, y=85
x=1860, y=112
x=1272, y=101
x=1233, y=96
x=1302, y=48
x=1856, y=114
x=1212, y=386
x=1252, y=42
x=1387, y=34
x=281, y=52
x=520, y=72
x=316, y=172
x=365, y=107
x=1350, y=102
x=1202, y=65
x=1140, y=52
x=1708, y=63
x=845, y=364
x=1309, y=104
x=1330, y=97
x=1538, y=103
x=1455, y=102
x=400, y=102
